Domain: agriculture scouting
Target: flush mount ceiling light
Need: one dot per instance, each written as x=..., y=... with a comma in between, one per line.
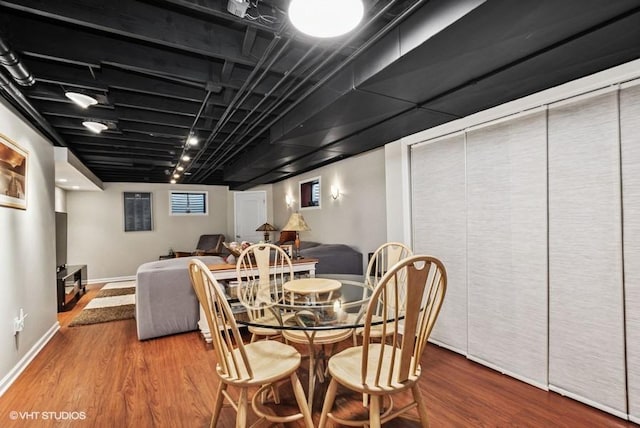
x=180, y=168
x=325, y=18
x=176, y=175
x=192, y=140
x=186, y=158
x=96, y=127
x=82, y=100
x=173, y=181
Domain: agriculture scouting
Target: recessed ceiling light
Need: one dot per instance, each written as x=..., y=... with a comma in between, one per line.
x=75, y=187
x=180, y=168
x=173, y=181
x=82, y=100
x=325, y=18
x=186, y=158
x=176, y=175
x=96, y=127
x=192, y=141
x=62, y=180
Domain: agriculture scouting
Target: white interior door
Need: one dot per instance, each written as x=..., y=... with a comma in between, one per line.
x=250, y=210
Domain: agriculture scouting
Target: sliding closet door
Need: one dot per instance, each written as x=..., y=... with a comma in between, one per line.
x=507, y=246
x=439, y=220
x=630, y=140
x=586, y=323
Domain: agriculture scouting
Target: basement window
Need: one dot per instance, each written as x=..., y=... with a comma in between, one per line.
x=188, y=203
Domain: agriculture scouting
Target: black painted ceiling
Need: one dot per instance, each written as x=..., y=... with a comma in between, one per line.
x=268, y=103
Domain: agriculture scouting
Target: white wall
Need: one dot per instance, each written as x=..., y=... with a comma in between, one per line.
x=96, y=235
x=27, y=253
x=357, y=218
x=60, y=200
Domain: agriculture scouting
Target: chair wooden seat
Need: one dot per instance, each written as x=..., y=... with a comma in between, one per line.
x=345, y=368
x=270, y=361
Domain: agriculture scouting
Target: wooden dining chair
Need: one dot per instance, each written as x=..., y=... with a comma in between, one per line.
x=260, y=364
x=261, y=270
x=381, y=261
x=391, y=365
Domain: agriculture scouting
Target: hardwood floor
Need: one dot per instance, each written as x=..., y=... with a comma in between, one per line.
x=110, y=379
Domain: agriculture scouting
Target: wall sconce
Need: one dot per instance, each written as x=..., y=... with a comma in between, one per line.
x=335, y=191
x=289, y=200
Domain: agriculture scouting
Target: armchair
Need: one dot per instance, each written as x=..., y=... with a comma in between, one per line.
x=208, y=245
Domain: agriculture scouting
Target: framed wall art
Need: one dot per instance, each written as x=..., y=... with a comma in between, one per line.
x=13, y=174
x=137, y=212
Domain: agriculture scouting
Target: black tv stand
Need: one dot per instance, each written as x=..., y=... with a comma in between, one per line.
x=71, y=283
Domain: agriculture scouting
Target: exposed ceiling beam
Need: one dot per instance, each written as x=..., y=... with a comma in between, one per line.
x=227, y=70
x=149, y=23
x=218, y=9
x=248, y=41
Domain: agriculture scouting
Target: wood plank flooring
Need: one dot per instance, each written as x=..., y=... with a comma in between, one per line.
x=117, y=381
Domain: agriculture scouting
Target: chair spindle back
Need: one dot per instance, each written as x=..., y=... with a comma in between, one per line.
x=224, y=330
x=425, y=279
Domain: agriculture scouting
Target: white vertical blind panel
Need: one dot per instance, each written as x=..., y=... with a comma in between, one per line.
x=586, y=324
x=630, y=140
x=507, y=246
x=439, y=229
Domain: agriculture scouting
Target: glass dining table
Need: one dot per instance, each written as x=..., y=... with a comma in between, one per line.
x=314, y=311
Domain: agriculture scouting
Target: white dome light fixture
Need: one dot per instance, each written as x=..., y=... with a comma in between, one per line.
x=96, y=127
x=82, y=100
x=192, y=140
x=325, y=18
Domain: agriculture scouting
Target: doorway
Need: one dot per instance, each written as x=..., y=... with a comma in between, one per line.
x=250, y=211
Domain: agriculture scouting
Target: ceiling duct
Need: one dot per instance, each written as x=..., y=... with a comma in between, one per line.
x=12, y=63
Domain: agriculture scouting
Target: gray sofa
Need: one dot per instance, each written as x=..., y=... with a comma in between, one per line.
x=333, y=258
x=165, y=300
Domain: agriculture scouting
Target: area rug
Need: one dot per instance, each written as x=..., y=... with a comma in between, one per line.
x=115, y=301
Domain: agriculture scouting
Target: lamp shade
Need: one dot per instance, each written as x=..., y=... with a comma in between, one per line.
x=266, y=227
x=296, y=223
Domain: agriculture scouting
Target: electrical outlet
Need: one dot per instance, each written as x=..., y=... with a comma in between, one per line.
x=18, y=322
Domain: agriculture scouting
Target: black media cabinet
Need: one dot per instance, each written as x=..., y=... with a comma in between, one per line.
x=71, y=283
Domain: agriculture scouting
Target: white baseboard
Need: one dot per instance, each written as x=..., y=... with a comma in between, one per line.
x=504, y=371
x=589, y=402
x=11, y=377
x=449, y=347
x=114, y=279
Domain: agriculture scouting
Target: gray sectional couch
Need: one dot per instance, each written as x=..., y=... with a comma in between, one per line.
x=333, y=259
x=165, y=300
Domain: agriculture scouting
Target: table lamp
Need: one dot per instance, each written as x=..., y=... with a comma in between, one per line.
x=266, y=228
x=297, y=224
